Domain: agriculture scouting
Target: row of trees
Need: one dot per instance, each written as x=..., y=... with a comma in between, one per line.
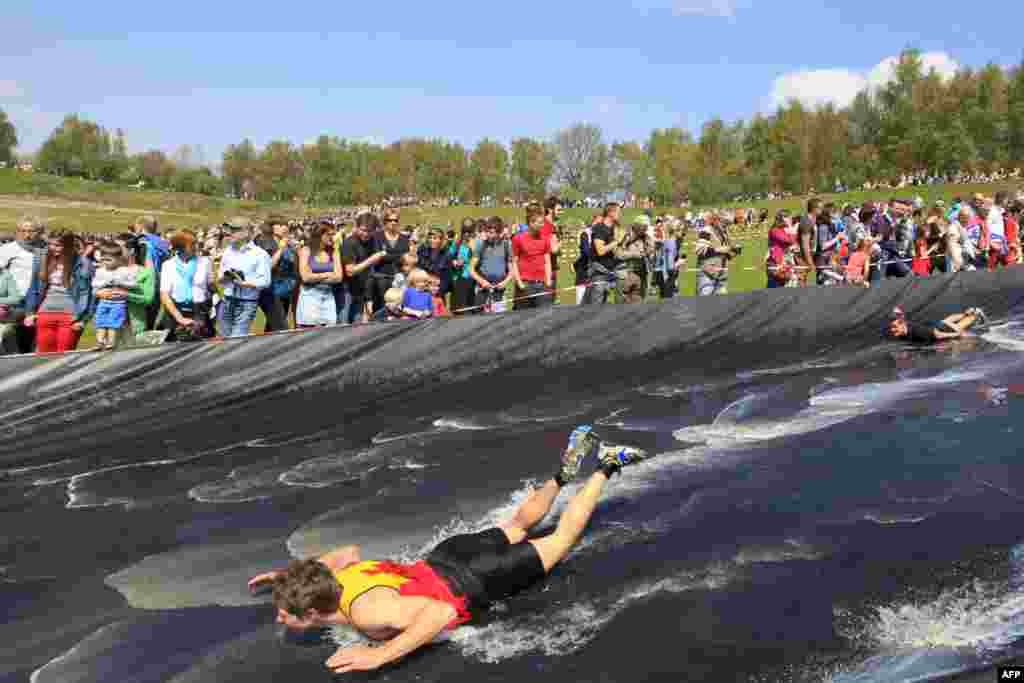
x=918, y=122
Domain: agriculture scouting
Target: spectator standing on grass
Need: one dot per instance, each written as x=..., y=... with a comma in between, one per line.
x=433, y=257
x=1012, y=219
x=714, y=252
x=827, y=242
x=243, y=274
x=275, y=301
x=59, y=300
x=807, y=232
x=394, y=245
x=321, y=270
x=142, y=292
x=531, y=262
x=186, y=291
x=581, y=267
x=19, y=259
x=781, y=239
x=602, y=256
x=157, y=250
x=114, y=276
x=491, y=266
x=357, y=259
x=552, y=213
x=460, y=256
x=631, y=256
x=666, y=252
x=12, y=312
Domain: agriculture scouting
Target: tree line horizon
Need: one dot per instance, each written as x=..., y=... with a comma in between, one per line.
x=917, y=122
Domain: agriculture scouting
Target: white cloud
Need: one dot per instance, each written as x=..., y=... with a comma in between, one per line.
x=10, y=89
x=707, y=8
x=814, y=88
x=840, y=86
x=885, y=70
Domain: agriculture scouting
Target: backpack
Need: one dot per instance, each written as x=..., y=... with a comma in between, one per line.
x=505, y=246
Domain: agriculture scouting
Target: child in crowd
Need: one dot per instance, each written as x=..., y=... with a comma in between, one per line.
x=859, y=263
x=922, y=262
x=113, y=275
x=405, y=266
x=417, y=301
x=440, y=310
x=392, y=306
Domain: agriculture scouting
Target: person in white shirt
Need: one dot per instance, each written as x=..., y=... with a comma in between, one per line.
x=18, y=259
x=186, y=283
x=244, y=273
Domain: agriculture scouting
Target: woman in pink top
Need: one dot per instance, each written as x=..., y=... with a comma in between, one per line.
x=780, y=238
x=860, y=261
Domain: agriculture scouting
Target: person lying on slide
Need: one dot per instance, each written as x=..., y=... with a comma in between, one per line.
x=407, y=606
x=931, y=332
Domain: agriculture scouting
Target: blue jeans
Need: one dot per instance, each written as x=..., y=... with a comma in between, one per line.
x=236, y=315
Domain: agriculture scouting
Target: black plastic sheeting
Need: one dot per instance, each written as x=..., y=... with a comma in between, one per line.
x=273, y=385
x=120, y=472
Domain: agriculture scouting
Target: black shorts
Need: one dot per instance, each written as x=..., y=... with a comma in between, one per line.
x=485, y=567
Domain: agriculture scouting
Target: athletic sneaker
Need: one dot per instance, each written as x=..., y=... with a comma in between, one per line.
x=980, y=315
x=614, y=458
x=582, y=442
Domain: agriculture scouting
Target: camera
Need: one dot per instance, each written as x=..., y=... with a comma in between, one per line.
x=236, y=275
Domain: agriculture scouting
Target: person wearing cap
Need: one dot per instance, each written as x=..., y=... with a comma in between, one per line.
x=157, y=251
x=244, y=272
x=632, y=256
x=714, y=251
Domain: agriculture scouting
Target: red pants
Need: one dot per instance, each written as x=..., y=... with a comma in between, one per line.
x=54, y=333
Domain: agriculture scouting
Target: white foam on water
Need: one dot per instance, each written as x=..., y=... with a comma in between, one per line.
x=791, y=549
x=979, y=617
x=461, y=424
x=565, y=630
x=891, y=519
x=1009, y=336
x=829, y=408
x=83, y=499
x=51, y=671
x=35, y=468
x=242, y=485
x=386, y=438
x=349, y=465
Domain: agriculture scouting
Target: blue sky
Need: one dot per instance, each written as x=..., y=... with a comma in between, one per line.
x=211, y=73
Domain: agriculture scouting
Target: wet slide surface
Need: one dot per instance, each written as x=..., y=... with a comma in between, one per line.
x=824, y=505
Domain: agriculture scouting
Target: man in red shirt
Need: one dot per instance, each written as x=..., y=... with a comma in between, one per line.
x=531, y=262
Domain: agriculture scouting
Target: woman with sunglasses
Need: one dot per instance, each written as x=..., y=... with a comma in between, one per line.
x=394, y=245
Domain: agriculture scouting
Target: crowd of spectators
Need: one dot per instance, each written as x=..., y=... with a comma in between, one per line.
x=362, y=265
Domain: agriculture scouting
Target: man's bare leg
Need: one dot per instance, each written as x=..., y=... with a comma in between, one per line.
x=531, y=512
x=555, y=546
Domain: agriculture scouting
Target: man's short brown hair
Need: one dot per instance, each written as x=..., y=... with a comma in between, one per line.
x=610, y=208
x=275, y=219
x=307, y=585
x=550, y=203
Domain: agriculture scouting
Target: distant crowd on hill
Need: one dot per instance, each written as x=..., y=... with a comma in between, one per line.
x=361, y=265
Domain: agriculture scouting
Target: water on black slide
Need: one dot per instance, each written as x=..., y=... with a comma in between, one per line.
x=823, y=505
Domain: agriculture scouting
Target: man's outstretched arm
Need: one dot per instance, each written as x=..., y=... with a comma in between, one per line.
x=336, y=559
x=419, y=619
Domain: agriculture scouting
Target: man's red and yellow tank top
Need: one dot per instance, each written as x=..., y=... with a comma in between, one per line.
x=415, y=580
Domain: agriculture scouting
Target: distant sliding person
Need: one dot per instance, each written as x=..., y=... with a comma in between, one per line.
x=931, y=332
x=407, y=606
